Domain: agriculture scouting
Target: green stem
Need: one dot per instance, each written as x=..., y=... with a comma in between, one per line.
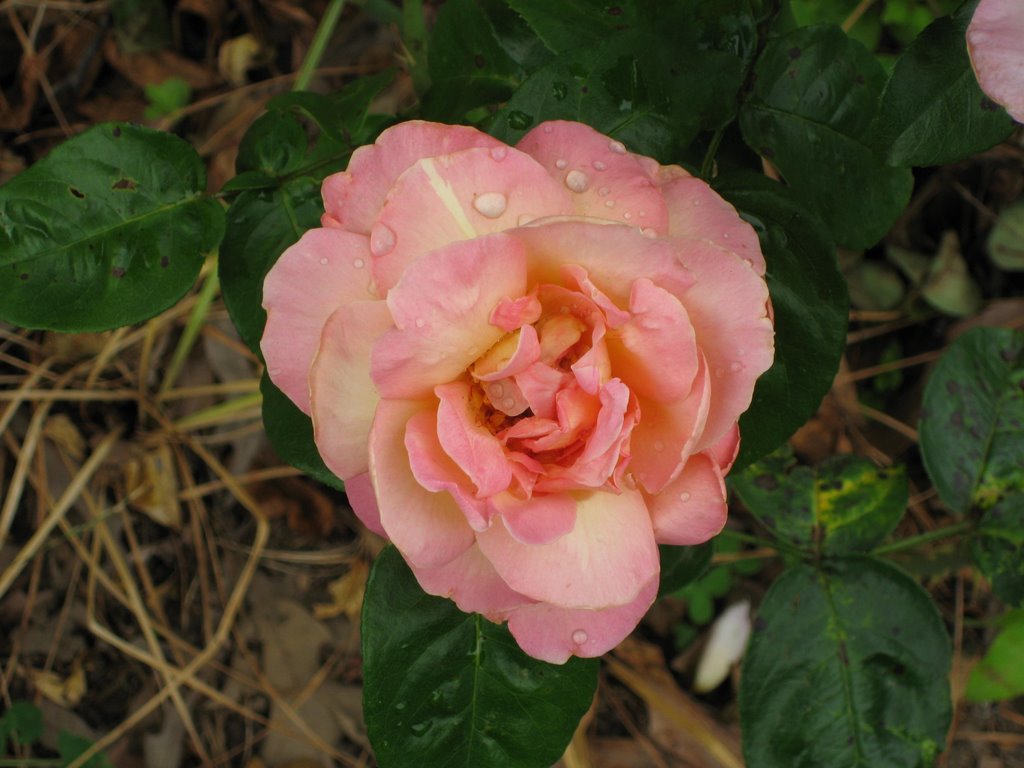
x=709, y=157
x=924, y=538
x=319, y=44
x=414, y=35
x=192, y=328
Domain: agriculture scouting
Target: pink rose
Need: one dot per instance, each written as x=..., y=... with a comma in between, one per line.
x=995, y=42
x=527, y=365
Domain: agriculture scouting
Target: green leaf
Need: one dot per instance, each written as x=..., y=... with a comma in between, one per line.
x=1006, y=241
x=261, y=224
x=682, y=565
x=109, y=229
x=291, y=434
x=275, y=144
x=998, y=549
x=468, y=67
x=22, y=722
x=814, y=97
x=71, y=746
x=847, y=666
x=810, y=304
x=972, y=419
x=1000, y=675
x=933, y=111
x=445, y=688
x=166, y=97
x=843, y=506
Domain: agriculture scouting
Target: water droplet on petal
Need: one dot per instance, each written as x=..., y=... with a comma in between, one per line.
x=499, y=153
x=603, y=191
x=579, y=637
x=561, y=164
x=617, y=147
x=648, y=232
x=548, y=129
x=420, y=322
x=627, y=215
x=490, y=204
x=325, y=261
x=684, y=496
x=696, y=201
x=659, y=445
x=497, y=390
x=599, y=166
x=358, y=263
x=642, y=214
x=273, y=371
x=508, y=402
x=577, y=181
x=382, y=240
x=609, y=203
x=725, y=235
x=736, y=366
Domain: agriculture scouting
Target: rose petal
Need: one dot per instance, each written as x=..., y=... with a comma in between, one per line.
x=655, y=353
x=605, y=561
x=471, y=581
x=428, y=528
x=511, y=314
x=354, y=198
x=539, y=520
x=997, y=55
x=697, y=211
x=554, y=634
x=691, y=509
x=470, y=445
x=540, y=385
x=343, y=397
x=363, y=500
x=724, y=452
x=325, y=269
x=441, y=308
x=607, y=181
x=515, y=353
x=445, y=199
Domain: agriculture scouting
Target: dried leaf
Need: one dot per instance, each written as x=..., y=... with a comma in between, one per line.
x=67, y=692
x=346, y=593
x=151, y=485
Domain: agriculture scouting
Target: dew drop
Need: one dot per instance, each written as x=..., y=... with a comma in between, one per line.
x=497, y=390
x=659, y=445
x=561, y=164
x=490, y=204
x=696, y=201
x=599, y=166
x=382, y=240
x=325, y=261
x=725, y=235
x=648, y=232
x=420, y=322
x=358, y=263
x=627, y=215
x=603, y=191
x=736, y=366
x=499, y=153
x=579, y=637
x=684, y=496
x=617, y=147
x=508, y=402
x=609, y=203
x=548, y=129
x=273, y=371
x=642, y=214
x=577, y=181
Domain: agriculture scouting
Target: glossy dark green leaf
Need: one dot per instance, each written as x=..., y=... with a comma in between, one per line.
x=109, y=229
x=844, y=505
x=291, y=434
x=933, y=111
x=261, y=224
x=468, y=66
x=22, y=722
x=681, y=565
x=443, y=688
x=810, y=305
x=275, y=144
x=1000, y=675
x=972, y=420
x=813, y=101
x=572, y=24
x=998, y=548
x=847, y=668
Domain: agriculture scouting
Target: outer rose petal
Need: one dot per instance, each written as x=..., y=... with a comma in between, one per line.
x=696, y=211
x=691, y=509
x=554, y=634
x=428, y=528
x=608, y=181
x=441, y=308
x=997, y=54
x=725, y=451
x=605, y=561
x=471, y=581
x=363, y=501
x=727, y=307
x=343, y=396
x=325, y=269
x=354, y=198
x=442, y=200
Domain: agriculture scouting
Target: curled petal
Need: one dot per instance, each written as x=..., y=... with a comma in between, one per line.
x=428, y=528
x=691, y=509
x=994, y=43
x=470, y=445
x=604, y=561
x=343, y=397
x=363, y=501
x=324, y=270
x=554, y=634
